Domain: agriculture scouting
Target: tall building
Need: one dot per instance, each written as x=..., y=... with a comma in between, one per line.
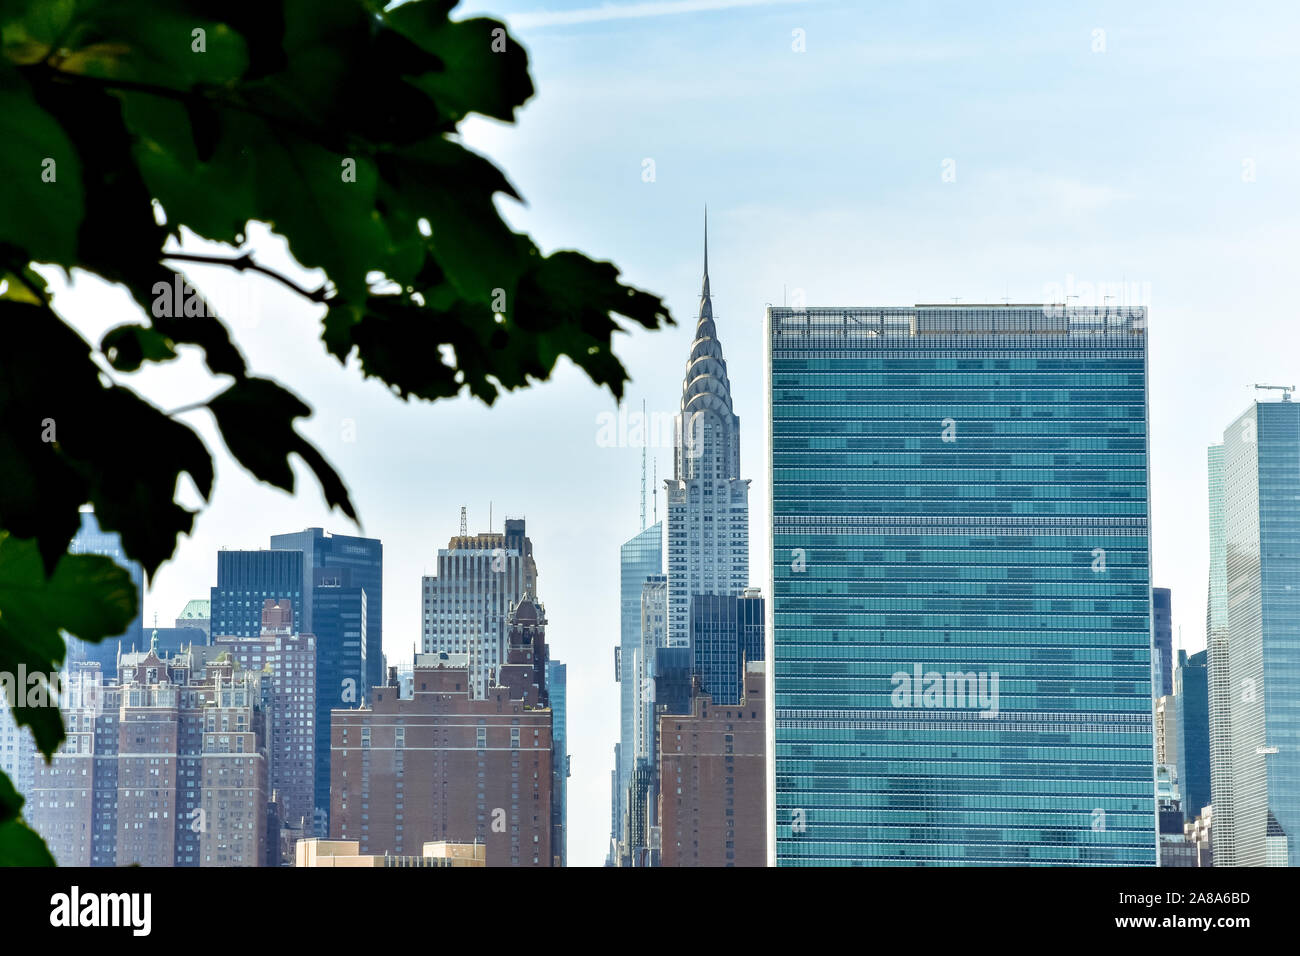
x=246, y=579
x=466, y=603
x=341, y=611
x=1166, y=729
x=1162, y=639
x=1192, y=699
x=708, y=501
x=713, y=780
x=363, y=558
x=557, y=687
x=1220, y=689
x=287, y=661
x=165, y=766
x=91, y=539
x=640, y=557
x=445, y=765
x=961, y=586
x=1253, y=663
x=726, y=634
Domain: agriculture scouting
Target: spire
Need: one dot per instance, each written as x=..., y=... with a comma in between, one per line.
x=706, y=303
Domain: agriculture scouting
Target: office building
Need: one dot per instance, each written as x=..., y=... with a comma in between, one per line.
x=363, y=561
x=1162, y=639
x=557, y=681
x=466, y=603
x=245, y=581
x=708, y=501
x=640, y=558
x=1254, y=672
x=726, y=634
x=1192, y=699
x=961, y=586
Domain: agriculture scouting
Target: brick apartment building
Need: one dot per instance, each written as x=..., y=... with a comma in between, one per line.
x=712, y=780
x=444, y=766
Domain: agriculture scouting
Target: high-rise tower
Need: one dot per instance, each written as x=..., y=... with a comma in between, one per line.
x=708, y=501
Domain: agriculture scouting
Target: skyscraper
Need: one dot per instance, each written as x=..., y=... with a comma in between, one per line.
x=364, y=558
x=557, y=687
x=640, y=557
x=1216, y=661
x=726, y=634
x=1162, y=639
x=1254, y=669
x=246, y=579
x=341, y=611
x=1192, y=700
x=91, y=539
x=961, y=586
x=708, y=501
x=467, y=602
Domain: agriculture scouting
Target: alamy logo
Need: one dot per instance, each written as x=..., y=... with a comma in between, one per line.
x=954, y=690
x=132, y=910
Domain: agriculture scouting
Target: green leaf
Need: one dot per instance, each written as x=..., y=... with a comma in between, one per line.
x=41, y=203
x=484, y=69
x=20, y=845
x=152, y=41
x=128, y=347
x=89, y=596
x=256, y=419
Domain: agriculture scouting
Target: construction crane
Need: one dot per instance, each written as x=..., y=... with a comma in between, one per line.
x=1286, y=390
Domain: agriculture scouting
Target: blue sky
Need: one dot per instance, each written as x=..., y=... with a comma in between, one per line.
x=822, y=170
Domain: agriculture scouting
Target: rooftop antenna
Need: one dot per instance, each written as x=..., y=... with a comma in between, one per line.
x=1286, y=390
x=656, y=489
x=489, y=517
x=645, y=442
x=956, y=299
x=464, y=525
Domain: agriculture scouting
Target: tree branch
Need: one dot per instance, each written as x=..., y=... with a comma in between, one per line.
x=245, y=263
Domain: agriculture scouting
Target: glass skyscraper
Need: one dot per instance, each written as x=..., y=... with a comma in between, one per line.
x=961, y=602
x=557, y=691
x=1162, y=631
x=245, y=579
x=726, y=634
x=640, y=557
x=1192, y=697
x=364, y=557
x=1254, y=665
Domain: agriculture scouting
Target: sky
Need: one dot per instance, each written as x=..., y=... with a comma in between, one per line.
x=849, y=154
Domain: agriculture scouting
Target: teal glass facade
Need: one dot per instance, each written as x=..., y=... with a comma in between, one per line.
x=961, y=493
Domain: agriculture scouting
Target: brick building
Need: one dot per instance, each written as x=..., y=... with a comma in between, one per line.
x=444, y=766
x=713, y=783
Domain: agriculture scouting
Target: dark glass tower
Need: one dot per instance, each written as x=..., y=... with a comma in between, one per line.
x=1192, y=696
x=961, y=586
x=340, y=609
x=365, y=558
x=245, y=579
x=726, y=634
x=1162, y=639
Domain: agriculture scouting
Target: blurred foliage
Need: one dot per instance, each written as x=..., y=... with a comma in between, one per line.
x=333, y=122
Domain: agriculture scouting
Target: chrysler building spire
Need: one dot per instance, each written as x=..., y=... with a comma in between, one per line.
x=708, y=501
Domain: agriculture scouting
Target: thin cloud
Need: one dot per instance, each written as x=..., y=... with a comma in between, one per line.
x=633, y=11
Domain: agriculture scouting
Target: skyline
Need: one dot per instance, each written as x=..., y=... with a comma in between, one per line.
x=861, y=217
